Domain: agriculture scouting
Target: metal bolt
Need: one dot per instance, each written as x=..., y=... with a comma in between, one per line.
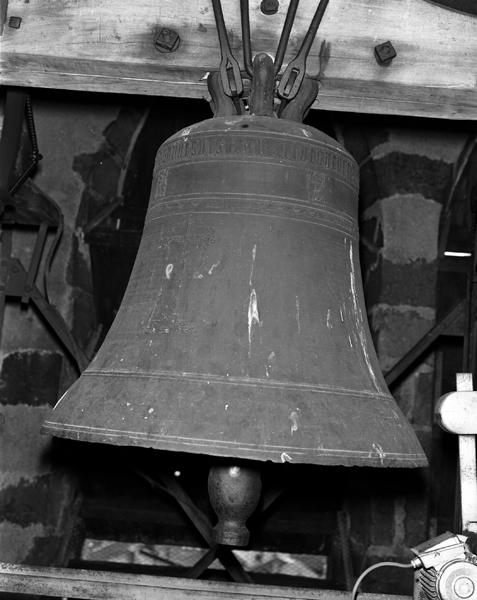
x=384, y=53
x=269, y=7
x=15, y=22
x=167, y=40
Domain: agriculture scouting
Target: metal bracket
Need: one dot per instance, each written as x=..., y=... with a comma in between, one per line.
x=457, y=413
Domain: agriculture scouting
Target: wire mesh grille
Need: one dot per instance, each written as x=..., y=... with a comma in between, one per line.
x=254, y=561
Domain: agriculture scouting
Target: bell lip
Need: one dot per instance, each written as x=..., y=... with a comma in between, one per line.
x=74, y=417
x=244, y=451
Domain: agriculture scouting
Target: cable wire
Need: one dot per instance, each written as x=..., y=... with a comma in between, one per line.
x=354, y=592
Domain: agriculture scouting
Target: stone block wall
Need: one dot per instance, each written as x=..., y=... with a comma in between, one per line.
x=405, y=174
x=36, y=495
x=86, y=142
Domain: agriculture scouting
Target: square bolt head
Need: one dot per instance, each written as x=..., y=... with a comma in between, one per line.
x=269, y=7
x=15, y=22
x=384, y=53
x=167, y=40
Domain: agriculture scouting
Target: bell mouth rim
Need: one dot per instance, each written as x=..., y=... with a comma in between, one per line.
x=282, y=454
x=308, y=426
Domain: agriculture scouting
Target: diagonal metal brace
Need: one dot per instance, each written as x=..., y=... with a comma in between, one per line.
x=170, y=485
x=446, y=326
x=15, y=282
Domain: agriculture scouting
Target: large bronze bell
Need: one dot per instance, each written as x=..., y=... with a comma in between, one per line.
x=242, y=332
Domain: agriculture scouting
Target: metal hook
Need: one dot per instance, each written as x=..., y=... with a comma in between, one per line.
x=229, y=68
x=296, y=70
x=246, y=43
x=285, y=36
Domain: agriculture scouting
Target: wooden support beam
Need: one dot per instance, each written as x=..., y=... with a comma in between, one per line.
x=108, y=46
x=103, y=585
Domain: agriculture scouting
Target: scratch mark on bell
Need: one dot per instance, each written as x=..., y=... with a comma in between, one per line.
x=253, y=318
x=185, y=132
x=378, y=449
x=213, y=267
x=328, y=319
x=169, y=269
x=284, y=457
x=60, y=400
x=153, y=312
x=359, y=318
x=254, y=256
x=269, y=365
x=294, y=416
x=297, y=306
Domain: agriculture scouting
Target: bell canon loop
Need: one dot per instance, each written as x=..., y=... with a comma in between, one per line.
x=242, y=332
